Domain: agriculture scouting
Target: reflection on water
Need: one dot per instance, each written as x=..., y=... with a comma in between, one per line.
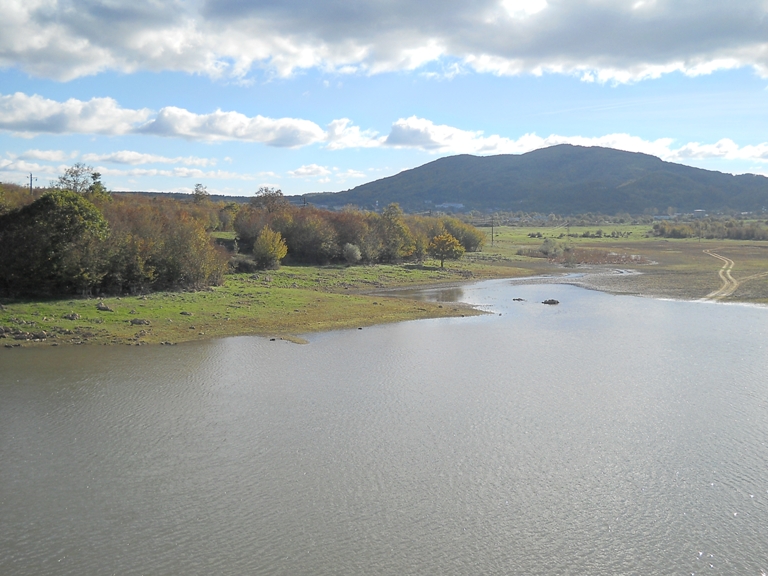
x=436, y=294
x=607, y=435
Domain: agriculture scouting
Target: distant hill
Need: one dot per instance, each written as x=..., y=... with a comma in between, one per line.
x=183, y=196
x=562, y=179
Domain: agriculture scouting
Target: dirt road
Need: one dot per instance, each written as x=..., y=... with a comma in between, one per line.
x=729, y=285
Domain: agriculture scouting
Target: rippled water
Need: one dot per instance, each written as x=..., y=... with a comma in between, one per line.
x=607, y=435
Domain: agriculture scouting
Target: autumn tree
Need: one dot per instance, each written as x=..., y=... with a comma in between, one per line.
x=468, y=236
x=271, y=199
x=445, y=247
x=269, y=248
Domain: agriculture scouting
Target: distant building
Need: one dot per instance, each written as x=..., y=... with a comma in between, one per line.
x=699, y=214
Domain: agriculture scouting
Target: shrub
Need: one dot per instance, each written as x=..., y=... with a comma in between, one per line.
x=269, y=248
x=243, y=263
x=351, y=253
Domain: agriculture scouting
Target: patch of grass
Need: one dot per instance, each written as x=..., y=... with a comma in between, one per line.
x=279, y=303
x=300, y=299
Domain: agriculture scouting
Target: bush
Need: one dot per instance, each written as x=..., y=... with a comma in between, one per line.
x=243, y=263
x=269, y=249
x=351, y=253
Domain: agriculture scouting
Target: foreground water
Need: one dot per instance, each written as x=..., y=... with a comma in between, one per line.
x=607, y=435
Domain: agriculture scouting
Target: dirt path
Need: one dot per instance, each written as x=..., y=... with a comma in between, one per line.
x=729, y=285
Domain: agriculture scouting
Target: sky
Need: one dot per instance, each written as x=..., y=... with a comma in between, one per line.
x=325, y=95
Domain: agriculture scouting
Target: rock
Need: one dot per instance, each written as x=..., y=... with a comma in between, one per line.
x=71, y=316
x=185, y=313
x=551, y=302
x=103, y=307
x=140, y=322
x=517, y=300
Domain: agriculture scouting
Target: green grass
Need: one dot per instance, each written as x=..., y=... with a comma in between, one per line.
x=296, y=300
x=280, y=303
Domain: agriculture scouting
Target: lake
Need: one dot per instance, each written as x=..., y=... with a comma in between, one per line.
x=605, y=435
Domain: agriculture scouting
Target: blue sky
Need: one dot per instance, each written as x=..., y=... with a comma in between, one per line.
x=315, y=96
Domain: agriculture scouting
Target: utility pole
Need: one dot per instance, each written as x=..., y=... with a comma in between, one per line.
x=30, y=183
x=491, y=230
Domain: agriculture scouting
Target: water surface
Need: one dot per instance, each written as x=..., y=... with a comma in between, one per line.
x=606, y=435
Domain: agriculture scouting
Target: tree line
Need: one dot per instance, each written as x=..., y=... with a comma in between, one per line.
x=712, y=229
x=87, y=241
x=77, y=238
x=314, y=235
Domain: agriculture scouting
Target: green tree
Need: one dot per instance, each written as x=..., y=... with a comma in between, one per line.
x=397, y=239
x=53, y=245
x=445, y=247
x=77, y=178
x=269, y=248
x=83, y=179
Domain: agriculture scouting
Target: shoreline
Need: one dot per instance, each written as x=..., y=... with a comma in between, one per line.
x=302, y=300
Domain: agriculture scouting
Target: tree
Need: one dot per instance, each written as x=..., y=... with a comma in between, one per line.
x=271, y=199
x=468, y=236
x=77, y=178
x=53, y=245
x=445, y=247
x=269, y=248
x=200, y=195
x=308, y=235
x=82, y=179
x=396, y=238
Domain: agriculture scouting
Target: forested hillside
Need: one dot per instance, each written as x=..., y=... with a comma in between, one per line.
x=561, y=179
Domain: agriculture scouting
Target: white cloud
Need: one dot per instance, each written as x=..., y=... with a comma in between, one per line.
x=309, y=171
x=343, y=134
x=350, y=173
x=523, y=8
x=614, y=40
x=281, y=132
x=29, y=115
x=136, y=158
x=46, y=155
x=423, y=134
x=22, y=167
x=178, y=172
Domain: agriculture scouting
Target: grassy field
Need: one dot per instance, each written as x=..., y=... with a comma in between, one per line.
x=280, y=303
x=295, y=300
x=674, y=268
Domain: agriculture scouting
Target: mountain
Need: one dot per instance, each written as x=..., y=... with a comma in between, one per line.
x=562, y=179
